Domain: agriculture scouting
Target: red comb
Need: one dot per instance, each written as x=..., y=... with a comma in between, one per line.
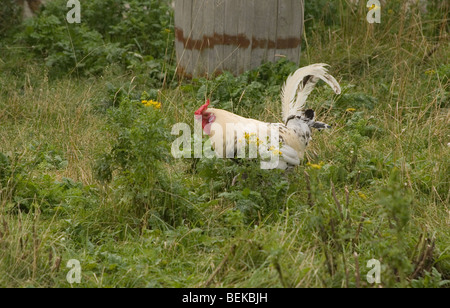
x=202, y=108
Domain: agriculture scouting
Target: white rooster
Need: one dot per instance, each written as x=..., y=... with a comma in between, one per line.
x=294, y=134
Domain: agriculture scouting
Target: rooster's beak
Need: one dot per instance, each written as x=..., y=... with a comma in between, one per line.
x=320, y=125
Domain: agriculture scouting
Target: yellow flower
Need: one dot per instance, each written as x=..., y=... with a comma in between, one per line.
x=390, y=12
x=350, y=109
x=252, y=138
x=362, y=196
x=314, y=166
x=277, y=152
x=149, y=103
x=247, y=135
x=430, y=72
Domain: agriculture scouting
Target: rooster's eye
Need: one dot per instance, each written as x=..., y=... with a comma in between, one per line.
x=309, y=114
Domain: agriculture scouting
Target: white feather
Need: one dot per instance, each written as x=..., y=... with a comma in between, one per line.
x=299, y=85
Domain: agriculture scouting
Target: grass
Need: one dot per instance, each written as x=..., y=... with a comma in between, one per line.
x=376, y=186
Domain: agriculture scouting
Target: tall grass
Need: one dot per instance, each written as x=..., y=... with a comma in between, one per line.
x=374, y=187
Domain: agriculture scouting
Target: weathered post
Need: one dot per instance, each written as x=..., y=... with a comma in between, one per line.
x=235, y=35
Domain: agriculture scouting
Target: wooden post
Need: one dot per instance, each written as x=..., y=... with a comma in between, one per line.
x=235, y=35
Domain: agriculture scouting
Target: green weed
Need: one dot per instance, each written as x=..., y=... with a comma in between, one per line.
x=86, y=171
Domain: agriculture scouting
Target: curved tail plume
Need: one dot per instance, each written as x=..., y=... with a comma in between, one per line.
x=300, y=84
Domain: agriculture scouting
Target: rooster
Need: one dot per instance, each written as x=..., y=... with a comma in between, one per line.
x=293, y=134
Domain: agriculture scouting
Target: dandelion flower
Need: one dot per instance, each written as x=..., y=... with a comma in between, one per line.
x=350, y=109
x=152, y=103
x=314, y=166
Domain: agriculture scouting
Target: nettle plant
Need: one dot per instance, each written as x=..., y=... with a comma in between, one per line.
x=26, y=186
x=135, y=34
x=10, y=15
x=256, y=193
x=138, y=164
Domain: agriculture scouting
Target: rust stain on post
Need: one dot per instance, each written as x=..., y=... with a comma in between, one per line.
x=240, y=40
x=212, y=36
